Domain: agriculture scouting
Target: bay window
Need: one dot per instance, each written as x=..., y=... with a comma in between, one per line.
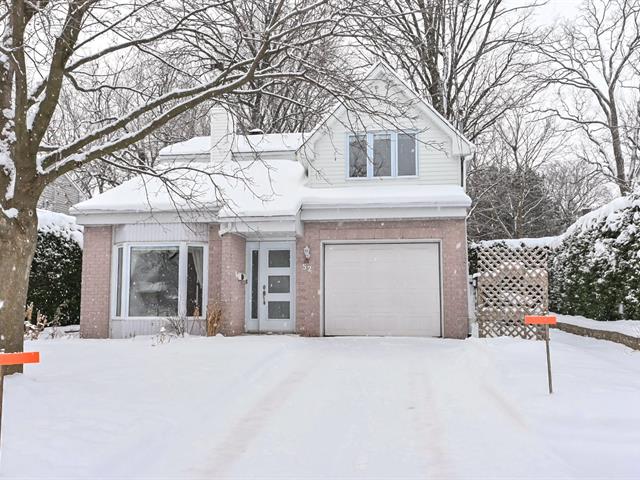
x=382, y=154
x=159, y=281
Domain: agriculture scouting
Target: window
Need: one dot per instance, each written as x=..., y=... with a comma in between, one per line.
x=159, y=280
x=195, y=281
x=406, y=154
x=383, y=154
x=358, y=156
x=119, y=264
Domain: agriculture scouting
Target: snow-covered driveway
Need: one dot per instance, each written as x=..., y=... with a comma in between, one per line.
x=272, y=407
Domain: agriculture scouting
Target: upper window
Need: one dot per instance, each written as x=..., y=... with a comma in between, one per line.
x=382, y=154
x=159, y=281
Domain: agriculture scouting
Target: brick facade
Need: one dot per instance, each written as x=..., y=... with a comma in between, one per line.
x=227, y=257
x=96, y=282
x=232, y=261
x=452, y=232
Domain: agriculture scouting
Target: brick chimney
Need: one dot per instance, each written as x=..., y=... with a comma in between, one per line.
x=222, y=134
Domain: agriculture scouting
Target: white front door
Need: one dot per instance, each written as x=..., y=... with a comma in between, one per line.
x=270, y=287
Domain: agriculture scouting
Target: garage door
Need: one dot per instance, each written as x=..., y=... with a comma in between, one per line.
x=382, y=289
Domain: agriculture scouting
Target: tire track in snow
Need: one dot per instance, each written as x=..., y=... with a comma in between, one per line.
x=243, y=430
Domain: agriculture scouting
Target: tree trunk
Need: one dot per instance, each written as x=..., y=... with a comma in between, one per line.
x=18, y=238
x=618, y=157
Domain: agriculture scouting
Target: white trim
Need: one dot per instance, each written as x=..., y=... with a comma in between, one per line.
x=379, y=212
x=114, y=217
x=380, y=241
x=284, y=227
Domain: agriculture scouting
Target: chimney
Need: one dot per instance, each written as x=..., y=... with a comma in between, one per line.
x=221, y=134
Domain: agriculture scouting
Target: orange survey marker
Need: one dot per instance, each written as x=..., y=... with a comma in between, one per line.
x=19, y=358
x=540, y=320
x=545, y=320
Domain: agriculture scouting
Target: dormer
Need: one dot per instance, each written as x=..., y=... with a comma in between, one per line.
x=391, y=135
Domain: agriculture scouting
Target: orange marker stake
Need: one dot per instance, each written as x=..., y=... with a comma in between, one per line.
x=18, y=358
x=545, y=320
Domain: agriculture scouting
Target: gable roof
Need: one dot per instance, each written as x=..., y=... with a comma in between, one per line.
x=379, y=70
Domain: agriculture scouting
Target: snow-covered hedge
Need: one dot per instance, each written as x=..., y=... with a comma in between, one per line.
x=55, y=278
x=595, y=267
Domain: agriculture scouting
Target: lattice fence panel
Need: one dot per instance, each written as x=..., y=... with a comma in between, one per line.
x=512, y=283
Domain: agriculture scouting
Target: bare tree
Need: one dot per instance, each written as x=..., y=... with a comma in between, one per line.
x=591, y=63
x=46, y=45
x=512, y=196
x=471, y=58
x=575, y=189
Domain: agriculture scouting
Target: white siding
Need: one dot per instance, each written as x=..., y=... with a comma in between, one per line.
x=325, y=153
x=166, y=232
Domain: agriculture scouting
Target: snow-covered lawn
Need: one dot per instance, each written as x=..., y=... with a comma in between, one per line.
x=278, y=406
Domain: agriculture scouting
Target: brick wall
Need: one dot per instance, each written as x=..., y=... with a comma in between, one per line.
x=96, y=282
x=452, y=232
x=232, y=260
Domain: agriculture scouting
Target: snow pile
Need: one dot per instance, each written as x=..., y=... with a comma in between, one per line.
x=59, y=224
x=292, y=407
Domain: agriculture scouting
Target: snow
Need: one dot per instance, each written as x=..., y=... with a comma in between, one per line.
x=516, y=243
x=260, y=189
x=193, y=146
x=271, y=142
x=285, y=406
x=60, y=224
x=10, y=212
x=627, y=327
x=608, y=213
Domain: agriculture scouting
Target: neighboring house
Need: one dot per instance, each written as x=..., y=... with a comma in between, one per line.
x=61, y=195
x=355, y=228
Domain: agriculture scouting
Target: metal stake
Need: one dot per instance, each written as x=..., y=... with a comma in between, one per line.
x=546, y=341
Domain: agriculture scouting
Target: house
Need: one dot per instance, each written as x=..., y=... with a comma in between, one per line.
x=61, y=195
x=355, y=228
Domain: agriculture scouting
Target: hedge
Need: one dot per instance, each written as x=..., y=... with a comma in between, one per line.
x=56, y=271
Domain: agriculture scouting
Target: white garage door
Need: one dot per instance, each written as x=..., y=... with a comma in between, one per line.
x=382, y=289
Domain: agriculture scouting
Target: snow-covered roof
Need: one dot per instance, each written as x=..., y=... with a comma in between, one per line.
x=59, y=224
x=193, y=146
x=271, y=142
x=260, y=189
x=154, y=194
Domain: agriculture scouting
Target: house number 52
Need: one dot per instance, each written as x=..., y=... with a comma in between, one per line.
x=306, y=267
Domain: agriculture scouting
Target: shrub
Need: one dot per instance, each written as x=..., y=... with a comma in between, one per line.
x=56, y=273
x=595, y=270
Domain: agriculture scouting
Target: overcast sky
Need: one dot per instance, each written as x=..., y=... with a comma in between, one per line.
x=557, y=10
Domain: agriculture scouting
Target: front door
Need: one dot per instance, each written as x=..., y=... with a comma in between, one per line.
x=270, y=286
